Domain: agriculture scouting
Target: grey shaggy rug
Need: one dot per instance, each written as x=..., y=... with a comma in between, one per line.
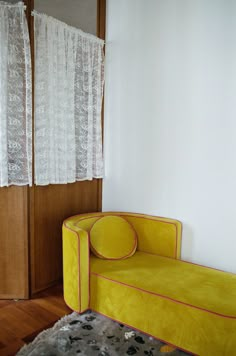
x=95, y=335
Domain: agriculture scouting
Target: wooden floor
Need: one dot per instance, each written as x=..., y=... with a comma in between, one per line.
x=21, y=321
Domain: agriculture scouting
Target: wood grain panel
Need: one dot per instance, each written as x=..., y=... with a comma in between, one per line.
x=13, y=243
x=101, y=18
x=51, y=205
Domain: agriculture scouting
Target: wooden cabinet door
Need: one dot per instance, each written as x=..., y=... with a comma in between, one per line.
x=14, y=263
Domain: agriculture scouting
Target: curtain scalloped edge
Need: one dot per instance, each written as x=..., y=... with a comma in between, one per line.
x=70, y=182
x=16, y=185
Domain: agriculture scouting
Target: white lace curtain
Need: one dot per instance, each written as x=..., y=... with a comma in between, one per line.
x=15, y=97
x=69, y=67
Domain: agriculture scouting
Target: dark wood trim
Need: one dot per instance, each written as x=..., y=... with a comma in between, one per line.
x=101, y=19
x=28, y=10
x=31, y=200
x=30, y=196
x=101, y=33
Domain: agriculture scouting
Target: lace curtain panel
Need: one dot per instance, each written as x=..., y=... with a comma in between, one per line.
x=15, y=97
x=69, y=75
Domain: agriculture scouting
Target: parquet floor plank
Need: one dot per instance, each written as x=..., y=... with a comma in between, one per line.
x=21, y=321
x=50, y=306
x=11, y=349
x=4, y=303
x=6, y=335
x=15, y=319
x=1, y=345
x=35, y=311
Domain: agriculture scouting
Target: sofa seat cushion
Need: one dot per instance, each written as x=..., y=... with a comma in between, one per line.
x=186, y=305
x=196, y=286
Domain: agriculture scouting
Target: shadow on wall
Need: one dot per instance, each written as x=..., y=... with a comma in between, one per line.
x=187, y=245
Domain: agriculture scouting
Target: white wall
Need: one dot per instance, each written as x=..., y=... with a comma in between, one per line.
x=170, y=119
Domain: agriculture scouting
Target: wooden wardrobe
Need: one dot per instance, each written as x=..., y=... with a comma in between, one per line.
x=31, y=219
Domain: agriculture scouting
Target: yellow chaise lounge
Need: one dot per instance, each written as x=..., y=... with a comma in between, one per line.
x=150, y=289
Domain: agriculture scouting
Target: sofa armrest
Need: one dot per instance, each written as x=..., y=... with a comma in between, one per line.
x=156, y=235
x=75, y=267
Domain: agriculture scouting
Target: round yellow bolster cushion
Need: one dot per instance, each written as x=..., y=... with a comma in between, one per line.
x=113, y=237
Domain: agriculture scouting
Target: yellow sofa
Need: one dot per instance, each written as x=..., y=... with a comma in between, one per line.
x=190, y=306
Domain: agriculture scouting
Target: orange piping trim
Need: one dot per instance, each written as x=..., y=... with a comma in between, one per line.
x=79, y=282
x=89, y=271
x=79, y=270
x=77, y=311
x=139, y=215
x=78, y=237
x=155, y=218
x=164, y=297
x=142, y=215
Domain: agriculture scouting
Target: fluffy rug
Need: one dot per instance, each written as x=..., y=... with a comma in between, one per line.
x=93, y=334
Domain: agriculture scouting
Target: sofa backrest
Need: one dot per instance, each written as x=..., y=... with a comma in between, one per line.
x=156, y=235
x=160, y=236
